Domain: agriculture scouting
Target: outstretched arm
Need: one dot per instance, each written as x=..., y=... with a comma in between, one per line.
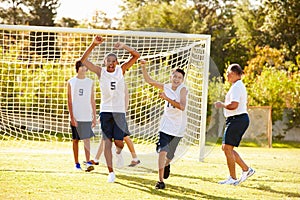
x=148, y=79
x=134, y=55
x=96, y=69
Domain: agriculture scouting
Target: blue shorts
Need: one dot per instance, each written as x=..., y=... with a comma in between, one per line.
x=113, y=125
x=235, y=129
x=167, y=143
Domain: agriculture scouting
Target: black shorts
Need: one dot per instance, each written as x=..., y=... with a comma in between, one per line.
x=167, y=143
x=235, y=129
x=113, y=125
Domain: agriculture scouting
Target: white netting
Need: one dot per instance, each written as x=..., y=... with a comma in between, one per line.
x=36, y=63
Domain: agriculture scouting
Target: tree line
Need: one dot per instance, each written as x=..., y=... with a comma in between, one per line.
x=263, y=36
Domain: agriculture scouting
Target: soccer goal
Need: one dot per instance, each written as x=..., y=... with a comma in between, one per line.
x=36, y=63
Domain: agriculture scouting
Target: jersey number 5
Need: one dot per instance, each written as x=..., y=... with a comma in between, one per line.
x=112, y=85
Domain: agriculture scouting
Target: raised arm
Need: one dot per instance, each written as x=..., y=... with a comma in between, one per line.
x=134, y=55
x=148, y=79
x=94, y=68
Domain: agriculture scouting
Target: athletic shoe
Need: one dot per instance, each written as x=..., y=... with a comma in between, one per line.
x=89, y=166
x=134, y=163
x=120, y=160
x=92, y=161
x=160, y=185
x=77, y=166
x=246, y=174
x=167, y=171
x=229, y=181
x=111, y=177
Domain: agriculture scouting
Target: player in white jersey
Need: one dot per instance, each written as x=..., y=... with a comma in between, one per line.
x=112, y=112
x=173, y=122
x=82, y=110
x=237, y=122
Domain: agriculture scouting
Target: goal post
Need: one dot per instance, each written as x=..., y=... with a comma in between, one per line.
x=37, y=61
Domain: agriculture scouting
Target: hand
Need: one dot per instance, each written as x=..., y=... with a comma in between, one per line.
x=98, y=39
x=74, y=123
x=163, y=95
x=94, y=123
x=143, y=63
x=219, y=104
x=119, y=45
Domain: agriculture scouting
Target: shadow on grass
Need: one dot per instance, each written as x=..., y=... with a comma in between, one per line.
x=268, y=188
x=179, y=192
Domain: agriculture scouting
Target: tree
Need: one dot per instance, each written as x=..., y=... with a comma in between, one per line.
x=42, y=12
x=14, y=14
x=157, y=14
x=282, y=26
x=67, y=22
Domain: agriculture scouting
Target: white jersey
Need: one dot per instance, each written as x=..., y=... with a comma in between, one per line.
x=112, y=87
x=81, y=91
x=237, y=93
x=174, y=120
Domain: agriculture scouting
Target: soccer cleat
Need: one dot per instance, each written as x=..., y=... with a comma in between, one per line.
x=160, y=185
x=92, y=161
x=111, y=177
x=246, y=174
x=229, y=181
x=77, y=166
x=89, y=166
x=134, y=163
x=119, y=160
x=167, y=171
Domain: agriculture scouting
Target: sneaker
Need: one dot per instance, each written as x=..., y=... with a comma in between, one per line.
x=92, y=161
x=246, y=174
x=111, y=177
x=120, y=160
x=77, y=166
x=167, y=171
x=134, y=163
x=160, y=185
x=89, y=166
x=229, y=181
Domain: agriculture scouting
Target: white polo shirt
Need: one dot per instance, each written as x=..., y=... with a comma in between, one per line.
x=237, y=93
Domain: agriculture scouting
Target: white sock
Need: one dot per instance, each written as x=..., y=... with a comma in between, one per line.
x=96, y=160
x=135, y=159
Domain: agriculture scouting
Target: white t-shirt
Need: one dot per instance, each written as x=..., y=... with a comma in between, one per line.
x=81, y=91
x=237, y=93
x=174, y=120
x=112, y=87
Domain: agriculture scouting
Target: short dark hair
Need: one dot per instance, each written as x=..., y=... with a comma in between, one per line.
x=78, y=64
x=236, y=68
x=180, y=71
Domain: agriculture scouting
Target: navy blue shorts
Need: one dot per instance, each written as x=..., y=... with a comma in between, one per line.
x=235, y=129
x=113, y=125
x=167, y=143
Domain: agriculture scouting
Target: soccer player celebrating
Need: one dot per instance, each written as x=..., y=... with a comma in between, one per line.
x=173, y=122
x=112, y=108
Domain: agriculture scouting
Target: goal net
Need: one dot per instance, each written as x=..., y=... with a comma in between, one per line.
x=36, y=63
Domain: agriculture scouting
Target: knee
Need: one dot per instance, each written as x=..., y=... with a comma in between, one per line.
x=119, y=143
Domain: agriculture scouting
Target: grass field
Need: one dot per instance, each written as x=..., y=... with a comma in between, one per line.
x=45, y=171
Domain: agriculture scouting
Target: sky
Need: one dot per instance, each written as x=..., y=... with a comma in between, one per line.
x=84, y=9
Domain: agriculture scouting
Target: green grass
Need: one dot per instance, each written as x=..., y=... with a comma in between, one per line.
x=40, y=170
